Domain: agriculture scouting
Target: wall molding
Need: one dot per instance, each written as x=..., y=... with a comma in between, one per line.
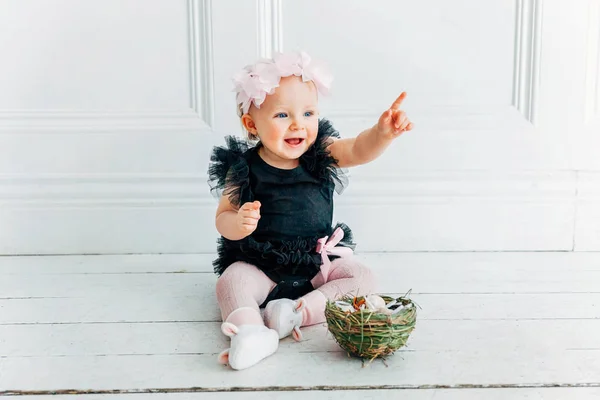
x=527, y=57
x=444, y=118
x=445, y=186
x=68, y=190
x=201, y=60
x=592, y=76
x=526, y=83
x=97, y=121
x=174, y=213
x=100, y=189
x=200, y=114
x=270, y=29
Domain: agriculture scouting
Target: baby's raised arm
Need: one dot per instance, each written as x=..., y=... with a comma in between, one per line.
x=372, y=142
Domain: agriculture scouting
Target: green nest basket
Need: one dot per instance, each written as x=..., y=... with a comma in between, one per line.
x=371, y=334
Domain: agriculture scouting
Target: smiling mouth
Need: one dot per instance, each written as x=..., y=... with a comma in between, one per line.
x=294, y=142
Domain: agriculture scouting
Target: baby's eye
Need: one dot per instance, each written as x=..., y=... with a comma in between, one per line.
x=281, y=115
x=308, y=113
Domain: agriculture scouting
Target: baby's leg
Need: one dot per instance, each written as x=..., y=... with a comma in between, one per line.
x=242, y=286
x=240, y=290
x=347, y=275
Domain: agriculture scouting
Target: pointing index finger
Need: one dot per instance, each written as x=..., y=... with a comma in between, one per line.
x=398, y=101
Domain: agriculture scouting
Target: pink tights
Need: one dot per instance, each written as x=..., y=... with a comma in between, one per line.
x=244, y=285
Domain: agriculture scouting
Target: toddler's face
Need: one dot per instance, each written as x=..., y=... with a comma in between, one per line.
x=287, y=122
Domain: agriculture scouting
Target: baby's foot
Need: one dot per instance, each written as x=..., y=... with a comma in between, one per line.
x=249, y=345
x=285, y=317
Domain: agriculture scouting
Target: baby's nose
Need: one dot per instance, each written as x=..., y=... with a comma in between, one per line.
x=296, y=126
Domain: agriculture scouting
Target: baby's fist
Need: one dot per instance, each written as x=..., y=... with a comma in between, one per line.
x=248, y=216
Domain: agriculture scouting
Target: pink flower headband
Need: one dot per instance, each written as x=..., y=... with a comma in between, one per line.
x=256, y=81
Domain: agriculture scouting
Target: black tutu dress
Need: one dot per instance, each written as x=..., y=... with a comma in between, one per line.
x=296, y=210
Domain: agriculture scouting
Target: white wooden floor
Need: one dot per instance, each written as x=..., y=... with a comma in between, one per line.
x=492, y=326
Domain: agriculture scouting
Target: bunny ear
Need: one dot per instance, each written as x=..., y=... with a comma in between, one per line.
x=229, y=329
x=224, y=357
x=296, y=334
x=300, y=304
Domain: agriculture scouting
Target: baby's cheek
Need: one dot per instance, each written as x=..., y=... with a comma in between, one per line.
x=277, y=130
x=312, y=133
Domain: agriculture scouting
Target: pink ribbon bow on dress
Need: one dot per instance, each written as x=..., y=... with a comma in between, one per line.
x=325, y=247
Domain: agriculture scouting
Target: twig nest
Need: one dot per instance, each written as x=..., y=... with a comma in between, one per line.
x=372, y=326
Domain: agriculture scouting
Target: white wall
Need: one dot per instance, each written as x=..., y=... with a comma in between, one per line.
x=108, y=111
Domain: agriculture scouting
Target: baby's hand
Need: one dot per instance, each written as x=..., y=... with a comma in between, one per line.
x=248, y=216
x=393, y=122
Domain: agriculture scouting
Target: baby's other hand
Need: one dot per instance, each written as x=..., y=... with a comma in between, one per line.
x=393, y=122
x=248, y=216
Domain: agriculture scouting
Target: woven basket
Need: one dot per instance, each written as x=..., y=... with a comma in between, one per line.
x=369, y=334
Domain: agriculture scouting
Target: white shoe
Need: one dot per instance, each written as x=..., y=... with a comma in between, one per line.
x=285, y=317
x=249, y=345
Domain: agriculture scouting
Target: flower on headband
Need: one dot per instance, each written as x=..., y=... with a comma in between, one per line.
x=256, y=81
x=300, y=64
